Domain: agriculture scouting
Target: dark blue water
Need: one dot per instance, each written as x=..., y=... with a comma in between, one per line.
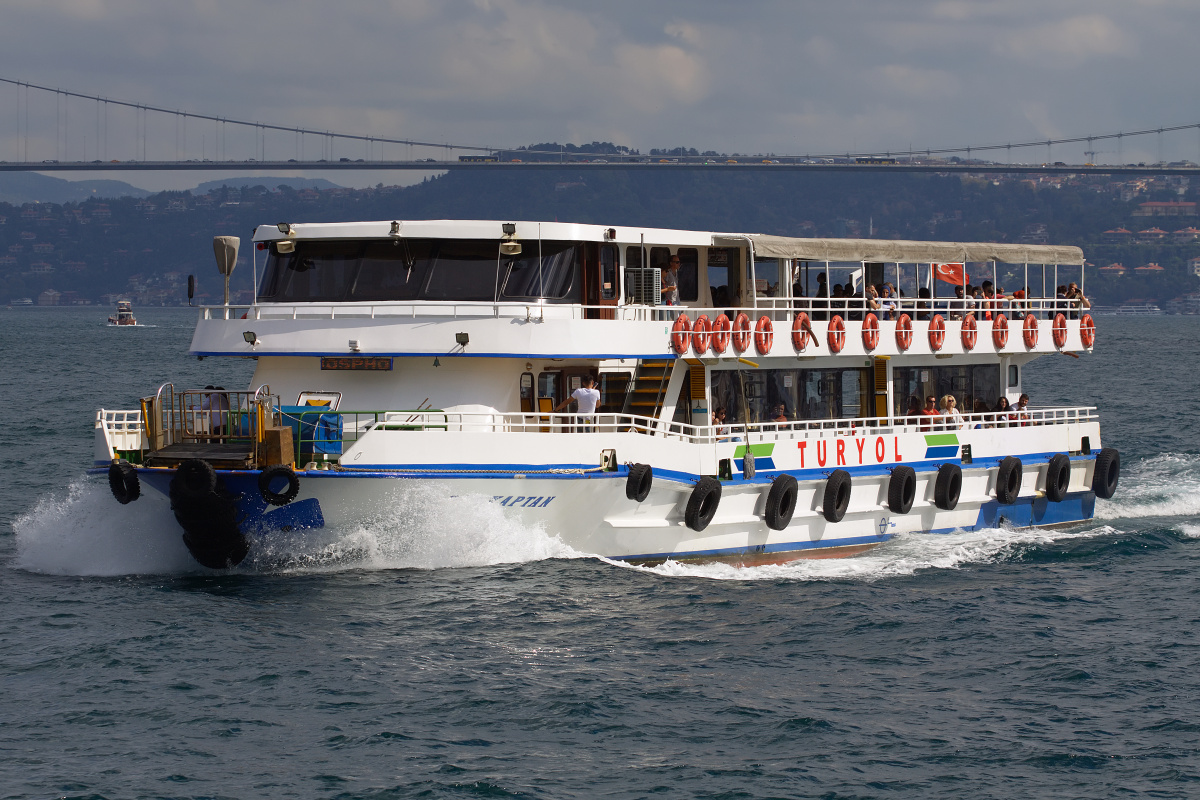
x=436, y=655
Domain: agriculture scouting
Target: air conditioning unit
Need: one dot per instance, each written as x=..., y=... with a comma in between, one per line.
x=644, y=285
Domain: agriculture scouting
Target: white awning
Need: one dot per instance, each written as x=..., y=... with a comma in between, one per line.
x=904, y=252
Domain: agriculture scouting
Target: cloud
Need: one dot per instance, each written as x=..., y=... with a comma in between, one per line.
x=1073, y=40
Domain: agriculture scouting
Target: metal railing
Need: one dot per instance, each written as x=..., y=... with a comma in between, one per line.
x=207, y=416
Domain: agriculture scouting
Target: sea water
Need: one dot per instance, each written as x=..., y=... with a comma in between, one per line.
x=437, y=651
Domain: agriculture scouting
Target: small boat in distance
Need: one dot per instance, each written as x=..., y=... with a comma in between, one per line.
x=124, y=315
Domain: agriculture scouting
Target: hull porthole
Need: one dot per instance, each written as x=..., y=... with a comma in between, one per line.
x=702, y=505
x=781, y=502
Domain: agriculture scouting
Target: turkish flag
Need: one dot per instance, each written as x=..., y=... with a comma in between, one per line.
x=950, y=273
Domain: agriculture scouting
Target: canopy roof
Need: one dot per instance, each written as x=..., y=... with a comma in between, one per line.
x=906, y=252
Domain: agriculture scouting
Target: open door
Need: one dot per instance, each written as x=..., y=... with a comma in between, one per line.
x=600, y=280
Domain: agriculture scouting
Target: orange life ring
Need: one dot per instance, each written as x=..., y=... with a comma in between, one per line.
x=904, y=332
x=764, y=335
x=970, y=332
x=1087, y=330
x=720, y=334
x=837, y=334
x=1058, y=330
x=801, y=330
x=937, y=332
x=700, y=335
x=741, y=332
x=681, y=334
x=1000, y=331
x=1030, y=331
x=870, y=331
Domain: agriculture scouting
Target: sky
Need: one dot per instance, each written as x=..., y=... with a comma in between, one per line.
x=758, y=76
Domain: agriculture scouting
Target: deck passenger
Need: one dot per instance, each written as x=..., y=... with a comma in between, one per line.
x=670, y=283
x=821, y=304
x=587, y=397
x=1004, y=415
x=952, y=420
x=1023, y=411
x=930, y=410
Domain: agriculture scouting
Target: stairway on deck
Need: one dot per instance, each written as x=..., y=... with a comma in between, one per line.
x=649, y=390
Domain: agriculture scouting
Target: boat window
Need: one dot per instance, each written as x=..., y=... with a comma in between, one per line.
x=771, y=277
x=613, y=388
x=419, y=269
x=548, y=387
x=552, y=276
x=970, y=384
x=1014, y=376
x=689, y=279
x=526, y=391
x=724, y=278
x=757, y=395
x=633, y=257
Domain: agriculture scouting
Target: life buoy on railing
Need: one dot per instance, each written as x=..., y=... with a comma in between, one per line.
x=1087, y=330
x=1000, y=331
x=271, y=474
x=764, y=335
x=837, y=334
x=904, y=332
x=720, y=334
x=801, y=330
x=970, y=332
x=1029, y=330
x=1058, y=330
x=700, y=335
x=937, y=332
x=741, y=332
x=681, y=334
x=870, y=331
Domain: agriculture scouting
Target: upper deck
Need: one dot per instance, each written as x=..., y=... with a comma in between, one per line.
x=565, y=290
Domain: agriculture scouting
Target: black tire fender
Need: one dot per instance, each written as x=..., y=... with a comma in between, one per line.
x=1058, y=477
x=837, y=495
x=124, y=482
x=197, y=478
x=272, y=474
x=637, y=485
x=1107, y=473
x=702, y=505
x=902, y=489
x=781, y=502
x=1008, y=480
x=947, y=487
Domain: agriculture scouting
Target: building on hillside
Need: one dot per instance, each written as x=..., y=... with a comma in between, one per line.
x=1193, y=266
x=1151, y=235
x=1185, y=235
x=1113, y=270
x=1186, y=304
x=48, y=298
x=1146, y=270
x=1172, y=208
x=1118, y=236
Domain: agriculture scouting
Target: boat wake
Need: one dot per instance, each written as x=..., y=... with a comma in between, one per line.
x=1166, y=485
x=88, y=533
x=904, y=555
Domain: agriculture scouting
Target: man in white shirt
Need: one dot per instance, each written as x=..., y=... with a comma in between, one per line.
x=587, y=397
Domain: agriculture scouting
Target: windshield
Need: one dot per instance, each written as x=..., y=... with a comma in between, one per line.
x=421, y=269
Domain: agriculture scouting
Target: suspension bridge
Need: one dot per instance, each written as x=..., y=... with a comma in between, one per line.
x=100, y=134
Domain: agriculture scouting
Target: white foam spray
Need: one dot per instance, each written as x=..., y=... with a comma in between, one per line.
x=1166, y=485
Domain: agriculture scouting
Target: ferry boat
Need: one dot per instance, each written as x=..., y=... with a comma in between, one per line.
x=395, y=355
x=124, y=315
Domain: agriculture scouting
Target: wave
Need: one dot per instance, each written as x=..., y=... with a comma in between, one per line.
x=88, y=533
x=1166, y=485
x=904, y=555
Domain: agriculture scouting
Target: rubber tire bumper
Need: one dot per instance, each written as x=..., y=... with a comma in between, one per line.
x=781, y=502
x=197, y=478
x=1008, y=480
x=702, y=505
x=902, y=489
x=269, y=476
x=837, y=495
x=637, y=485
x=947, y=487
x=123, y=481
x=1107, y=473
x=1058, y=477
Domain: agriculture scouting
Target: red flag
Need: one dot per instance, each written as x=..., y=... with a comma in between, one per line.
x=950, y=273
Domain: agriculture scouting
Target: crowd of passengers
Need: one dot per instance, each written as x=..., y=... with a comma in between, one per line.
x=886, y=302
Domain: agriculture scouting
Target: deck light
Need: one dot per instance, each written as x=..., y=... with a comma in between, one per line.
x=250, y=337
x=395, y=231
x=285, y=228
x=509, y=228
x=462, y=339
x=509, y=245
x=354, y=345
